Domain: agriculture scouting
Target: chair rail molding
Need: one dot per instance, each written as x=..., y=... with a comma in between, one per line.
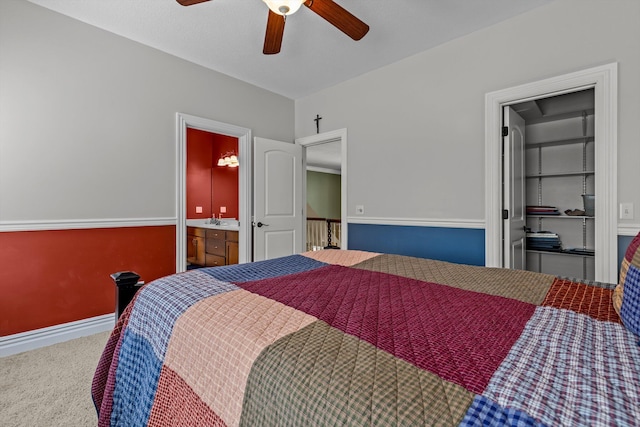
x=71, y=224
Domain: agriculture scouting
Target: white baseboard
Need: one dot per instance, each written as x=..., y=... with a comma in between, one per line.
x=30, y=340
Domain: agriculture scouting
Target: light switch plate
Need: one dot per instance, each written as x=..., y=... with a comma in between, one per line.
x=198, y=209
x=626, y=210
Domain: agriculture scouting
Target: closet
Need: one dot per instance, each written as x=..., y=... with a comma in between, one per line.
x=560, y=180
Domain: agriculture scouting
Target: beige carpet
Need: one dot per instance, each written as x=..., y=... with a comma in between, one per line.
x=51, y=386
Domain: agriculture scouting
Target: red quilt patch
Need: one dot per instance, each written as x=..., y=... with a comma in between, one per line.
x=172, y=396
x=448, y=331
x=590, y=300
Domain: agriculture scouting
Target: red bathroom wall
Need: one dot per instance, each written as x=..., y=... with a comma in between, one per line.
x=208, y=185
x=198, y=179
x=59, y=276
x=225, y=179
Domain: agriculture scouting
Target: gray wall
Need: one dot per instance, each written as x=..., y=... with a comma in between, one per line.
x=87, y=118
x=427, y=112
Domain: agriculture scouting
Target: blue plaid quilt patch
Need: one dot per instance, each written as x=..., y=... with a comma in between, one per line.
x=135, y=379
x=264, y=269
x=484, y=412
x=630, y=309
x=567, y=370
x=174, y=294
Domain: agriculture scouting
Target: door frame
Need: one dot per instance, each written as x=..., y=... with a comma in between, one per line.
x=184, y=121
x=604, y=81
x=324, y=138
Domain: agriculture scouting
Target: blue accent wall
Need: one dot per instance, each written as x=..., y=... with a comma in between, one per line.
x=623, y=243
x=460, y=245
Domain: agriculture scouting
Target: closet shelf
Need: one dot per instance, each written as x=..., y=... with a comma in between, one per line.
x=531, y=145
x=561, y=253
x=559, y=174
x=561, y=216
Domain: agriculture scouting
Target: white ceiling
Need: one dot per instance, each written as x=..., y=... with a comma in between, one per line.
x=325, y=156
x=227, y=35
x=572, y=104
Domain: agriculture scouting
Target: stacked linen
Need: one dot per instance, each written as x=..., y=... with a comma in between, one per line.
x=544, y=241
x=542, y=210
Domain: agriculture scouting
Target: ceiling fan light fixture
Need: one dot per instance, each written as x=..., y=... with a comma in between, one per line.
x=284, y=7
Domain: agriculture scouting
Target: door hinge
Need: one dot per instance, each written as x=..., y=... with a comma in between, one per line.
x=505, y=214
x=505, y=131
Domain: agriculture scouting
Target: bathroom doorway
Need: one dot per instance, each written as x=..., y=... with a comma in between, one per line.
x=211, y=185
x=243, y=136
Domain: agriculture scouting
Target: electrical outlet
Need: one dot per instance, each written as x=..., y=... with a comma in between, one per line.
x=359, y=209
x=223, y=209
x=198, y=209
x=626, y=210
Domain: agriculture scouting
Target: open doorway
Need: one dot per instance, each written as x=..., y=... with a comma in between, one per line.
x=603, y=81
x=212, y=186
x=243, y=135
x=212, y=191
x=325, y=188
x=549, y=184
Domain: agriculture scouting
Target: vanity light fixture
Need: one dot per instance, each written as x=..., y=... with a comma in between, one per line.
x=229, y=159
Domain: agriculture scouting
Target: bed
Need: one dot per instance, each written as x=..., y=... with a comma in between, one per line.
x=353, y=338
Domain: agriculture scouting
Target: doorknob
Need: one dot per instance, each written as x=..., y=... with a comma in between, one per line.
x=261, y=224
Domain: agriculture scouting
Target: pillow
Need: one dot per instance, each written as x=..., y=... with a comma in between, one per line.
x=626, y=296
x=619, y=289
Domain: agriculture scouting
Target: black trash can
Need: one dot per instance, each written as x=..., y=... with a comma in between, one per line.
x=127, y=284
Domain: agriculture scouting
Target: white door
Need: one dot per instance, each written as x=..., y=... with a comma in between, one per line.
x=514, y=194
x=278, y=204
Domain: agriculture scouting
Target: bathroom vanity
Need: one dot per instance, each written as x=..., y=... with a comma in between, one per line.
x=212, y=245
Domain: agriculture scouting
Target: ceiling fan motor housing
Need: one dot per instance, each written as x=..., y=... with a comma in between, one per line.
x=284, y=7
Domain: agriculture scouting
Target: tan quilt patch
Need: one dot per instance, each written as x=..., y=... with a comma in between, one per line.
x=337, y=257
x=215, y=342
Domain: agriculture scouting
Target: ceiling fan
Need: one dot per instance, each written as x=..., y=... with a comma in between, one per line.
x=279, y=9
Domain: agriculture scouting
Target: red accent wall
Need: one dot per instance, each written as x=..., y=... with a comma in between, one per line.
x=198, y=180
x=207, y=184
x=59, y=276
x=225, y=179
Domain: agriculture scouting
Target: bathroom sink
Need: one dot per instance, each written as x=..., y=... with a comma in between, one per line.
x=229, y=223
x=206, y=223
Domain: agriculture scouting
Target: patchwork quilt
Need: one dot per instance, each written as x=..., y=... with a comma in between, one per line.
x=352, y=338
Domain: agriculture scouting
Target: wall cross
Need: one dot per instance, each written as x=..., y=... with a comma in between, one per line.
x=317, y=120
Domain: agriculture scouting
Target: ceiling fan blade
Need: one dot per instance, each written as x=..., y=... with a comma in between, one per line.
x=339, y=17
x=273, y=36
x=190, y=2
